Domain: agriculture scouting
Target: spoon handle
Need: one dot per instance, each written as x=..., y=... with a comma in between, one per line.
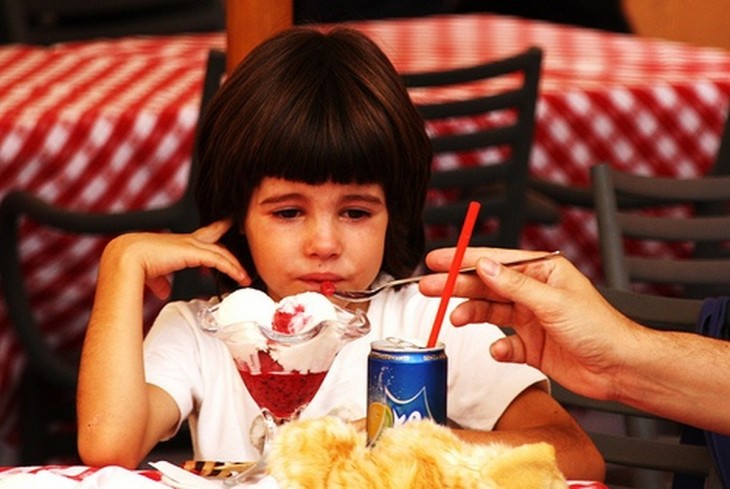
x=514, y=263
x=365, y=295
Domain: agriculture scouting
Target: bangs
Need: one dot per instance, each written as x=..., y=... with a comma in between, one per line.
x=317, y=140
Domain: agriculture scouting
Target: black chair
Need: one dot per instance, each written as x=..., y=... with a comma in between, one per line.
x=50, y=378
x=500, y=147
x=649, y=242
x=52, y=21
x=637, y=460
x=662, y=213
x=721, y=166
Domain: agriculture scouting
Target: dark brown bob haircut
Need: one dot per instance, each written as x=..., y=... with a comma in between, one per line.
x=316, y=107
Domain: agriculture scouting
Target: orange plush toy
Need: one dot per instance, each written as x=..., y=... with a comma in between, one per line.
x=329, y=453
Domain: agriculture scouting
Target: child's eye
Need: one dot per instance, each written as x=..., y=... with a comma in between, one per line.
x=287, y=213
x=356, y=214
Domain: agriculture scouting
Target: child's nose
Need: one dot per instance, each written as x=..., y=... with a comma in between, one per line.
x=324, y=238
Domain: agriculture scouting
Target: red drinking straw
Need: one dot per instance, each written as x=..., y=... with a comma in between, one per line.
x=461, y=244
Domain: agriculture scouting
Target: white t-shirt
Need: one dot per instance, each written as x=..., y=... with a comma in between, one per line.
x=197, y=370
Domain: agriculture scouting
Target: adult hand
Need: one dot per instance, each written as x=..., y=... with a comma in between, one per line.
x=563, y=325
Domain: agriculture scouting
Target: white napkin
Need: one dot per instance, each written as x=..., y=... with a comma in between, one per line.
x=118, y=478
x=105, y=478
x=180, y=478
x=39, y=480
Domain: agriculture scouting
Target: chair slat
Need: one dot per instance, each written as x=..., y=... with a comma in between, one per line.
x=507, y=135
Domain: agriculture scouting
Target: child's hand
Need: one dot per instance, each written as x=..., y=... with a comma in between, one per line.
x=157, y=255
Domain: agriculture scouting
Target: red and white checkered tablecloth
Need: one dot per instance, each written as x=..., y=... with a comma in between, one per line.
x=91, y=126
x=108, y=125
x=65, y=477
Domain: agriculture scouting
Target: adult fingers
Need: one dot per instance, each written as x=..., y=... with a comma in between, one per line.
x=483, y=311
x=509, y=349
x=517, y=286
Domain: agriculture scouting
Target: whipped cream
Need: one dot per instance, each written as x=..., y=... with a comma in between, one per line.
x=244, y=315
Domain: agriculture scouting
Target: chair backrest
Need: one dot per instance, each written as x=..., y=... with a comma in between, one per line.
x=52, y=21
x=721, y=165
x=626, y=449
x=653, y=240
x=485, y=121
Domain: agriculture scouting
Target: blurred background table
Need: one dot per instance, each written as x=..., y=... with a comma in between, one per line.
x=108, y=125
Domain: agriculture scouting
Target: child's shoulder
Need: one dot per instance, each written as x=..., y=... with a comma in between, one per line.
x=405, y=304
x=186, y=315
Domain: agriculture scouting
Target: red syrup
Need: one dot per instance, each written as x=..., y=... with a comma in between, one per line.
x=282, y=320
x=282, y=393
x=327, y=289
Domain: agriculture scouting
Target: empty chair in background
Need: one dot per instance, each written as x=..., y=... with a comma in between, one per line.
x=652, y=239
x=636, y=457
x=658, y=241
x=547, y=199
x=494, y=157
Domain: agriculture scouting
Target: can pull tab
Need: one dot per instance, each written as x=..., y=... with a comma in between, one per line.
x=401, y=343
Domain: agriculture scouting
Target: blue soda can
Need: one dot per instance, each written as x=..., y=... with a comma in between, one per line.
x=406, y=382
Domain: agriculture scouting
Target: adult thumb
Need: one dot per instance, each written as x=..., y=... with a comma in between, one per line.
x=509, y=283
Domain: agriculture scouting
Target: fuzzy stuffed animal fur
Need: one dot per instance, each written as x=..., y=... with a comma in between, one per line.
x=328, y=453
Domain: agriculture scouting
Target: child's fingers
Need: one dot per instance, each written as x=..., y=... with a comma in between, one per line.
x=160, y=286
x=213, y=231
x=220, y=258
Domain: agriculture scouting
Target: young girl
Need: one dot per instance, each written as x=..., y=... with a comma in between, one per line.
x=314, y=167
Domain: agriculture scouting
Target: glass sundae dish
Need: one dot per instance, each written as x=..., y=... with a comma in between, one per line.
x=282, y=351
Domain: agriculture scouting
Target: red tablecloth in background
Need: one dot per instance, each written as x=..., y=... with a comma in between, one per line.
x=109, y=125
x=90, y=126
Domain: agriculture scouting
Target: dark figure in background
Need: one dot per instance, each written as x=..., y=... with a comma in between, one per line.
x=315, y=11
x=598, y=14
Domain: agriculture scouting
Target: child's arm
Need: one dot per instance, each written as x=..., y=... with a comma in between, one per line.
x=535, y=416
x=120, y=417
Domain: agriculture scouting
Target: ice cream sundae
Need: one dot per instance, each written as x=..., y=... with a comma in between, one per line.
x=298, y=313
x=282, y=350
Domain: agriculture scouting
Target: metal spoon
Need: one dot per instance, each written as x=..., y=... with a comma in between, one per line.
x=366, y=295
x=256, y=468
x=259, y=468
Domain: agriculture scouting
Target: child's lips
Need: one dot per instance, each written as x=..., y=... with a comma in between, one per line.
x=322, y=277
x=315, y=281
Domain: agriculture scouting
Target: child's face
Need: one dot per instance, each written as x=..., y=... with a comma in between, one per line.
x=301, y=235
